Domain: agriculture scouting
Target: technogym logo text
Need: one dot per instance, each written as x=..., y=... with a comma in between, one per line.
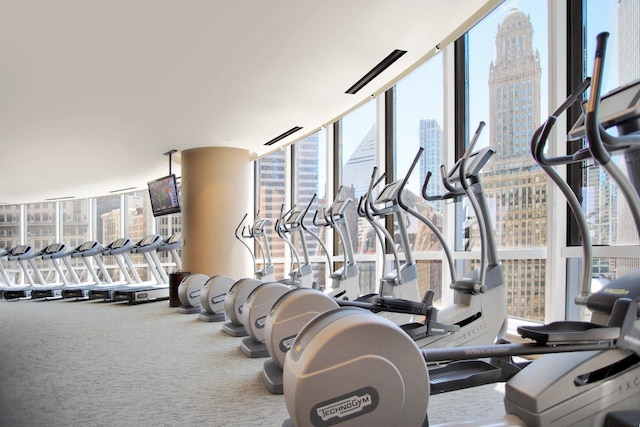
x=286, y=343
x=345, y=407
x=218, y=299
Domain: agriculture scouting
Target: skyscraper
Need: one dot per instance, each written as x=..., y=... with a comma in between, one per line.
x=628, y=71
x=516, y=186
x=431, y=140
x=356, y=172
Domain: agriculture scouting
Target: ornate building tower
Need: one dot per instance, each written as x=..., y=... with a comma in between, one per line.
x=516, y=185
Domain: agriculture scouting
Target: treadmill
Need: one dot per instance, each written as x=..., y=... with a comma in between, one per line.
x=119, y=249
x=23, y=254
x=4, y=253
x=151, y=291
x=55, y=252
x=86, y=251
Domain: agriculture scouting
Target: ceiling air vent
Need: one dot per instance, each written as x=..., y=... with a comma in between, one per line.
x=383, y=65
x=284, y=135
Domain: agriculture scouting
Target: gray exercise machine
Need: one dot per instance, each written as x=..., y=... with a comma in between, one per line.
x=586, y=375
x=190, y=292
x=257, y=232
x=212, y=298
x=344, y=280
x=196, y=297
x=478, y=314
x=261, y=299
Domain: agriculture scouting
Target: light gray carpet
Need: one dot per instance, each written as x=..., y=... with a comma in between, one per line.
x=67, y=363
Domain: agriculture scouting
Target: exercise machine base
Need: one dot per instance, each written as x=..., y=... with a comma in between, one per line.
x=16, y=294
x=272, y=377
x=189, y=310
x=253, y=349
x=147, y=295
x=234, y=330
x=205, y=316
x=46, y=294
x=78, y=294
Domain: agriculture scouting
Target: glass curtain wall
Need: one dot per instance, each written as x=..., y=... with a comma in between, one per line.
x=419, y=122
x=507, y=63
x=608, y=214
x=357, y=148
x=109, y=227
x=10, y=236
x=139, y=223
x=81, y=220
x=310, y=165
x=75, y=231
x=10, y=216
x=41, y=231
x=270, y=192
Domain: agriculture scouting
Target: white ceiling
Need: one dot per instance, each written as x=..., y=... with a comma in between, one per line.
x=94, y=92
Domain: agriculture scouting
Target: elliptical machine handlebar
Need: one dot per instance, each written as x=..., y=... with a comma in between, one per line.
x=253, y=257
x=598, y=138
x=481, y=220
x=382, y=233
x=538, y=145
x=320, y=223
x=541, y=135
x=402, y=204
x=438, y=197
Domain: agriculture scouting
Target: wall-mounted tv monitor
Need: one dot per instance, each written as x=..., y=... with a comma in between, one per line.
x=164, y=196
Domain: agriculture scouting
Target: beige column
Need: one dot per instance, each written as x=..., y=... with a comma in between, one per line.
x=215, y=190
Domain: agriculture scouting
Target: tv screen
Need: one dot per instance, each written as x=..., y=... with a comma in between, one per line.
x=164, y=196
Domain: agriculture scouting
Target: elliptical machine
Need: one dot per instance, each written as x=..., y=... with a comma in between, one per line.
x=214, y=290
x=478, y=314
x=288, y=223
x=199, y=294
x=261, y=300
x=257, y=232
x=588, y=374
x=344, y=280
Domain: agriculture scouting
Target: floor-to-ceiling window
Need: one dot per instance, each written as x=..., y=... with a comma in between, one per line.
x=357, y=148
x=507, y=69
x=612, y=229
x=419, y=123
x=309, y=166
x=75, y=230
x=41, y=232
x=270, y=192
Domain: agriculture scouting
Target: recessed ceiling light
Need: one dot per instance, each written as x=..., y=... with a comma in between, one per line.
x=375, y=71
x=122, y=189
x=284, y=135
x=54, y=199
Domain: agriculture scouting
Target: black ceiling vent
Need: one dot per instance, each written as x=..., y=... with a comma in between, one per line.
x=383, y=65
x=284, y=135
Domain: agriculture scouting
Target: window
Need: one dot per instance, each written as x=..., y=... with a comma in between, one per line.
x=357, y=148
x=41, y=232
x=419, y=122
x=310, y=162
x=611, y=226
x=11, y=227
x=495, y=96
x=270, y=179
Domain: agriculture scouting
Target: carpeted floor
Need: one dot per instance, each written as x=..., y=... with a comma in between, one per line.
x=88, y=363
